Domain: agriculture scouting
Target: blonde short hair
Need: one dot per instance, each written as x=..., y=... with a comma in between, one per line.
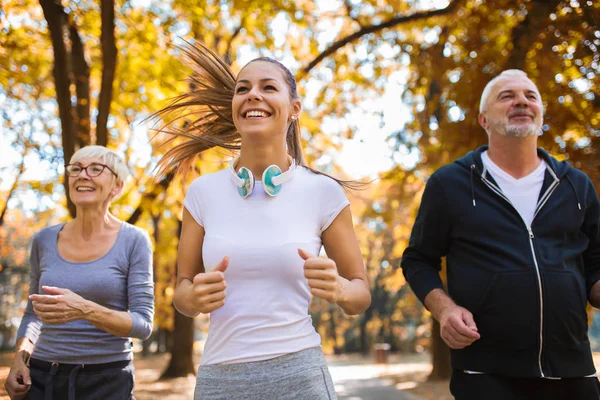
x=108, y=157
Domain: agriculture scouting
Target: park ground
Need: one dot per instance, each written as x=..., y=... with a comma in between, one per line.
x=404, y=377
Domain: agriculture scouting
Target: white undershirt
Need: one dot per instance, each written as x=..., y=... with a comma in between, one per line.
x=524, y=192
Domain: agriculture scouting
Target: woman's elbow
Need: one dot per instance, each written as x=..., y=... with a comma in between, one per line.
x=141, y=328
x=146, y=331
x=362, y=306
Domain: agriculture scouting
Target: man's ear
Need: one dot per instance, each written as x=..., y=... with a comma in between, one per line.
x=483, y=121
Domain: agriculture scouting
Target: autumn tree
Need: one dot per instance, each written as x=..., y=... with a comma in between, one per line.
x=77, y=73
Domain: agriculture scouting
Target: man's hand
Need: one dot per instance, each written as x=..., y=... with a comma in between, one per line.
x=457, y=327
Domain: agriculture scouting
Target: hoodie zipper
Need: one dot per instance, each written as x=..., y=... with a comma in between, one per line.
x=539, y=206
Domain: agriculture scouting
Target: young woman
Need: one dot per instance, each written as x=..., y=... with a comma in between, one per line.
x=91, y=290
x=249, y=247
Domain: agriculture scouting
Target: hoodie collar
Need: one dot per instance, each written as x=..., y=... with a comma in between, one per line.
x=558, y=168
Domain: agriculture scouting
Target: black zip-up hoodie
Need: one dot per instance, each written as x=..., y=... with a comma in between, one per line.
x=527, y=287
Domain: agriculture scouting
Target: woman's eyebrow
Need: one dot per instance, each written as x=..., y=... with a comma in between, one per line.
x=262, y=80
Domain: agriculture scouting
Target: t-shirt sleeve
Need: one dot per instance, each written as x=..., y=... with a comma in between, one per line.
x=333, y=201
x=31, y=325
x=193, y=200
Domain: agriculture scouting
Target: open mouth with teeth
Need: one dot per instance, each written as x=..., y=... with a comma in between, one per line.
x=85, y=189
x=255, y=114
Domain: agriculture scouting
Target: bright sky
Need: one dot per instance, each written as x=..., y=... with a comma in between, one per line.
x=365, y=155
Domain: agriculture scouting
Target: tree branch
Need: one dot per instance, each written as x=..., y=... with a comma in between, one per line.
x=162, y=186
x=227, y=56
x=13, y=188
x=57, y=25
x=338, y=44
x=109, y=65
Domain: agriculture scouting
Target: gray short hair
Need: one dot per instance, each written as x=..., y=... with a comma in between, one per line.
x=108, y=157
x=509, y=73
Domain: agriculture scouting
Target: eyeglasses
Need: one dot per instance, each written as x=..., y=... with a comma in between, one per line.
x=92, y=170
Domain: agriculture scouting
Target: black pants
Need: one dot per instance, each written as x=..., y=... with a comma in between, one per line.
x=495, y=387
x=52, y=381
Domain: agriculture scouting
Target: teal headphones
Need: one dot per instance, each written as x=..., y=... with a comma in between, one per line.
x=272, y=178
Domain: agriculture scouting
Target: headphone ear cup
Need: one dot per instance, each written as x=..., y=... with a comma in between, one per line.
x=267, y=180
x=246, y=175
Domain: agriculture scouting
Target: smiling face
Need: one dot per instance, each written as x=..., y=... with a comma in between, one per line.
x=262, y=104
x=86, y=190
x=514, y=108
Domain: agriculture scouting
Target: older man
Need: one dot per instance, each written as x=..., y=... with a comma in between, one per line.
x=520, y=231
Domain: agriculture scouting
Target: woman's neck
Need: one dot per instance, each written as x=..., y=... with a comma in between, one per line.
x=93, y=222
x=258, y=158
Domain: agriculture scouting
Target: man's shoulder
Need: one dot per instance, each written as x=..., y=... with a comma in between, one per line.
x=578, y=174
x=449, y=171
x=462, y=167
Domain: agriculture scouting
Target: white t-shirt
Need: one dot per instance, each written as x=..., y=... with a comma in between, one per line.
x=523, y=193
x=266, y=306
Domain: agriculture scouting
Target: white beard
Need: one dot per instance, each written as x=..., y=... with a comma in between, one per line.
x=501, y=127
x=520, y=130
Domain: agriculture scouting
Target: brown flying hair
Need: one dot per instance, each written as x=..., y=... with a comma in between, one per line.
x=207, y=114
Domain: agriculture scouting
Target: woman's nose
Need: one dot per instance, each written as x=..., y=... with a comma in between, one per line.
x=253, y=94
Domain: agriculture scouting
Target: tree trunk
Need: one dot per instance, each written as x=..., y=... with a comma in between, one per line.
x=440, y=353
x=364, y=335
x=81, y=78
x=58, y=26
x=181, y=363
x=527, y=32
x=109, y=65
x=333, y=326
x=182, y=350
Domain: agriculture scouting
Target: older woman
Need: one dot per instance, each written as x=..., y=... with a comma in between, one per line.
x=91, y=291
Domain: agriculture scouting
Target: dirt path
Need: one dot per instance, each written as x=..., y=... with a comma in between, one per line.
x=355, y=377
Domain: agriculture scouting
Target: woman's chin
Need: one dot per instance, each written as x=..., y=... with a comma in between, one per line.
x=258, y=132
x=86, y=203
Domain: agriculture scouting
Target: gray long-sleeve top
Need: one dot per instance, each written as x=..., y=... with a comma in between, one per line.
x=120, y=280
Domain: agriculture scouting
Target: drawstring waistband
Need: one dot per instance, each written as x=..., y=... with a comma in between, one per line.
x=72, y=377
x=49, y=387
x=50, y=382
x=52, y=369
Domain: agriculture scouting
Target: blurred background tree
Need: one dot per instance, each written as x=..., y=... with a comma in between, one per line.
x=406, y=74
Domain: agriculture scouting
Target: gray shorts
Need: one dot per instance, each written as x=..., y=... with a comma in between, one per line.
x=296, y=376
